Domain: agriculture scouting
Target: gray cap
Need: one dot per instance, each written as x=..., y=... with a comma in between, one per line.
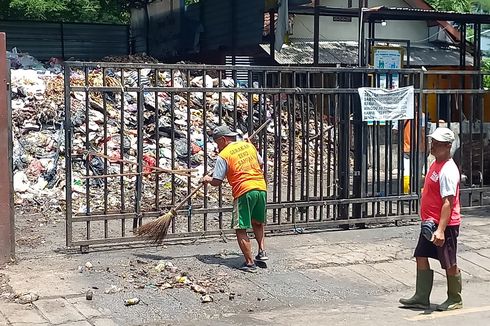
x=223, y=131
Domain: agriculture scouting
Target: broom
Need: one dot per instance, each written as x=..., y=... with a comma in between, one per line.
x=156, y=230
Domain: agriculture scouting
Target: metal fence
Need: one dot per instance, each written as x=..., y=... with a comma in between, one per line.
x=324, y=166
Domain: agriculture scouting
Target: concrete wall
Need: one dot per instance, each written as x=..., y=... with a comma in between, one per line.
x=348, y=31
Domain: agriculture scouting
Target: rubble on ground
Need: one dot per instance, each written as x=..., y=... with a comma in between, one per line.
x=164, y=276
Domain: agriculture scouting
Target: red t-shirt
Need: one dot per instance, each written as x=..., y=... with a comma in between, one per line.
x=441, y=181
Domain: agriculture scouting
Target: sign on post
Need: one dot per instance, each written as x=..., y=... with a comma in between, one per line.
x=381, y=104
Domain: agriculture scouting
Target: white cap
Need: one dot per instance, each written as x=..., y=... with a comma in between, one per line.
x=443, y=134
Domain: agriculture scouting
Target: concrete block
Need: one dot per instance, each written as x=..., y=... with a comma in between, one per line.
x=476, y=259
x=16, y=313
x=85, y=308
x=377, y=277
x=58, y=311
x=3, y=320
x=77, y=323
x=104, y=322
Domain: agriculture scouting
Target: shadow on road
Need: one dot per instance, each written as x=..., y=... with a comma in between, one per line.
x=231, y=261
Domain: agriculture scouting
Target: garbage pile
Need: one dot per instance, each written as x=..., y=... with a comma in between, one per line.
x=105, y=131
x=162, y=275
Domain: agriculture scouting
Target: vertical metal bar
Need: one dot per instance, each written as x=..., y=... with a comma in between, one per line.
x=360, y=150
x=172, y=143
x=276, y=157
x=139, y=178
x=272, y=36
x=157, y=142
x=421, y=135
x=68, y=148
x=293, y=154
x=481, y=104
x=204, y=135
x=250, y=112
x=322, y=146
x=461, y=119
x=106, y=187
x=7, y=229
x=88, y=148
x=279, y=151
x=306, y=136
x=470, y=144
x=189, y=202
x=317, y=156
x=291, y=160
x=121, y=156
x=220, y=121
x=316, y=32
x=304, y=175
x=235, y=98
x=264, y=139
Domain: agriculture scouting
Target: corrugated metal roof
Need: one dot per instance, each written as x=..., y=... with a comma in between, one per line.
x=300, y=52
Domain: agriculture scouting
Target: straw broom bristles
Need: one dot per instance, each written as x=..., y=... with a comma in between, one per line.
x=156, y=231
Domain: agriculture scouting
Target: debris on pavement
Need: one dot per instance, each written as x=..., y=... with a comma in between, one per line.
x=89, y=295
x=206, y=298
x=25, y=298
x=131, y=302
x=112, y=290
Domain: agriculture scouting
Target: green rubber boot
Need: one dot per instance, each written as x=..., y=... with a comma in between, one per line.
x=423, y=287
x=454, y=300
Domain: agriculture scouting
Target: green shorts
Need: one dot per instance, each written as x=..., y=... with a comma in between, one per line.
x=250, y=205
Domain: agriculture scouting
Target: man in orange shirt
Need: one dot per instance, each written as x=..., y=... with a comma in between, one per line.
x=407, y=139
x=240, y=163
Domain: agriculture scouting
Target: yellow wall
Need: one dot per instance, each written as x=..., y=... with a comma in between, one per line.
x=453, y=82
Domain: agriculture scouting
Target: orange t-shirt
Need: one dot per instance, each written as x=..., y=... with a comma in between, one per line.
x=407, y=137
x=243, y=173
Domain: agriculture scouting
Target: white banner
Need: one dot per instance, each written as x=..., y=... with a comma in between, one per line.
x=379, y=104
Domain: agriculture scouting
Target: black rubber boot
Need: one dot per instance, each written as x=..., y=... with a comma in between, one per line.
x=454, y=300
x=423, y=287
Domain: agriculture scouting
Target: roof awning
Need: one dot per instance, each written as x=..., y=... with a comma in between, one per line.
x=300, y=52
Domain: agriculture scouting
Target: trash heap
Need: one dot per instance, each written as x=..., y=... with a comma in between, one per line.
x=136, y=275
x=106, y=141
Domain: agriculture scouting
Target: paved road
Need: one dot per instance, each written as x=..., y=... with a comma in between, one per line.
x=339, y=278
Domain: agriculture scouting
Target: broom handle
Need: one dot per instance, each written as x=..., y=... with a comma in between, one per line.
x=183, y=201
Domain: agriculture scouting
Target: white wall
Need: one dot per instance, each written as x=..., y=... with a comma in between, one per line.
x=348, y=31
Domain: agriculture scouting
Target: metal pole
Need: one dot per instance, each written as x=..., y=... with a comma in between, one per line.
x=272, y=35
x=316, y=33
x=7, y=230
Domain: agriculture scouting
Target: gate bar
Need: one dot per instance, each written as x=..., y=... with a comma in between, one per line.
x=7, y=230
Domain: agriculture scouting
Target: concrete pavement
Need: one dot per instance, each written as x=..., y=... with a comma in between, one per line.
x=340, y=278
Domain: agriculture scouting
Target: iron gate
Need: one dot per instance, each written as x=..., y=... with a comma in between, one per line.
x=324, y=166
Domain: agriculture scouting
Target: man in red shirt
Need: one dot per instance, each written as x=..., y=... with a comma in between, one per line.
x=441, y=217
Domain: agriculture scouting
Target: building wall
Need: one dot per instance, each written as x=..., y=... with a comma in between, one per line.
x=331, y=30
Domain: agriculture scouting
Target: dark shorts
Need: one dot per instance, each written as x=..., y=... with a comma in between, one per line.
x=445, y=254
